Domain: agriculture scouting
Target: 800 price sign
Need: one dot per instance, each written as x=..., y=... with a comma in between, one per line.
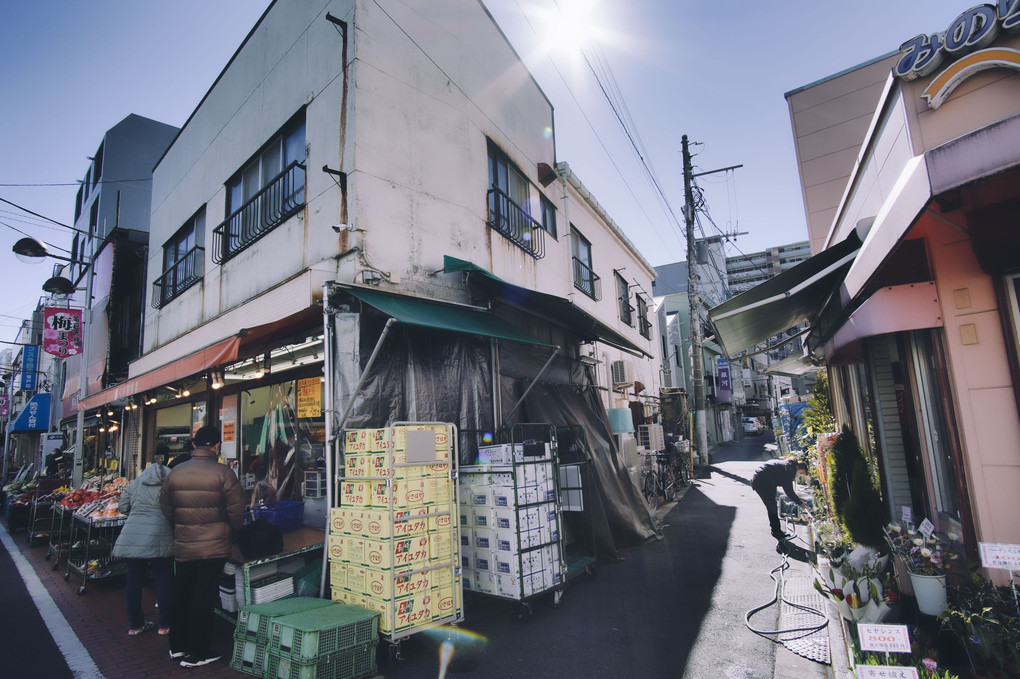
x=884, y=638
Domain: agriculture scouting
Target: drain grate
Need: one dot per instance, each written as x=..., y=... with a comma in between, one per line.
x=813, y=645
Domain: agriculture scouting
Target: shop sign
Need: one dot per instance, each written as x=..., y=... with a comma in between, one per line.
x=723, y=368
x=886, y=672
x=29, y=366
x=884, y=638
x=309, y=397
x=1006, y=557
x=965, y=41
x=62, y=331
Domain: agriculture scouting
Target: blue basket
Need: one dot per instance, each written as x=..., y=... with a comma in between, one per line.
x=285, y=515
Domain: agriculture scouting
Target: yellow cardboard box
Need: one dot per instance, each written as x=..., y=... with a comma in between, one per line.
x=386, y=554
x=379, y=523
x=366, y=440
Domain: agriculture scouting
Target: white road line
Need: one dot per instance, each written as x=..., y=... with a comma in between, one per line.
x=77, y=658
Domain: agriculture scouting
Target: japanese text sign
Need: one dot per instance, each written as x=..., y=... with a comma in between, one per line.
x=29, y=366
x=884, y=638
x=885, y=672
x=926, y=528
x=1006, y=557
x=62, y=331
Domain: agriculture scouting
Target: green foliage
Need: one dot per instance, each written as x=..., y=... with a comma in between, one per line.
x=817, y=417
x=843, y=457
x=863, y=512
x=984, y=618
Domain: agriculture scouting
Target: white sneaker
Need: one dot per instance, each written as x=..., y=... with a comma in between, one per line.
x=192, y=661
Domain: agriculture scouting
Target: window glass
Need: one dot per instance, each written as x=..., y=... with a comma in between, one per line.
x=295, y=146
x=272, y=159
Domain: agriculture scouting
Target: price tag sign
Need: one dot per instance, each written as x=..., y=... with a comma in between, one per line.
x=926, y=528
x=907, y=515
x=884, y=638
x=886, y=672
x=1006, y=557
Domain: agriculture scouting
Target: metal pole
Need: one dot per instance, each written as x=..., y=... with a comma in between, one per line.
x=78, y=471
x=700, y=438
x=328, y=330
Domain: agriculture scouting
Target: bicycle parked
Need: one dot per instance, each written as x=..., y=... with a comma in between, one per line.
x=671, y=472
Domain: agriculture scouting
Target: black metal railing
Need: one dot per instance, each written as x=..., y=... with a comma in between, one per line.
x=184, y=273
x=645, y=327
x=281, y=198
x=626, y=311
x=511, y=220
x=586, y=280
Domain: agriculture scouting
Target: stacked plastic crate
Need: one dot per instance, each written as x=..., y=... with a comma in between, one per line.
x=333, y=642
x=251, y=634
x=510, y=537
x=393, y=540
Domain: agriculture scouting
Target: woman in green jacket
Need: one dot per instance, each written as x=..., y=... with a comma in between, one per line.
x=146, y=541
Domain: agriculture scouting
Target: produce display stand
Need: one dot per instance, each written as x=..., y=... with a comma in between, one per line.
x=40, y=521
x=60, y=534
x=575, y=477
x=393, y=543
x=510, y=506
x=91, y=543
x=305, y=542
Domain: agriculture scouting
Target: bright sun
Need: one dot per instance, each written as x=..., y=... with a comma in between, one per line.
x=569, y=25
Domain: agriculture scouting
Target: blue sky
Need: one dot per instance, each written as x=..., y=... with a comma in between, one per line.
x=714, y=71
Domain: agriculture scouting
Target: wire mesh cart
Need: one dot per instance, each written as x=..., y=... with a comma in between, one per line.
x=60, y=534
x=511, y=546
x=393, y=540
x=576, y=483
x=91, y=545
x=40, y=521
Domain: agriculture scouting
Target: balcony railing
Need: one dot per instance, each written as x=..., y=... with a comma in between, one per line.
x=626, y=311
x=586, y=280
x=182, y=275
x=281, y=198
x=515, y=224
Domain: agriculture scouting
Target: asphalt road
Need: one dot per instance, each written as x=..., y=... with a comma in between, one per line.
x=669, y=608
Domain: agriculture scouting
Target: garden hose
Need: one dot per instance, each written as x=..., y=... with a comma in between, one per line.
x=777, y=576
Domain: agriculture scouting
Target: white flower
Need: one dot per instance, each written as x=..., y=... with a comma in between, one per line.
x=925, y=552
x=918, y=542
x=953, y=537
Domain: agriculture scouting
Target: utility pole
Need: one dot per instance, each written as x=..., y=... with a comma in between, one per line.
x=700, y=433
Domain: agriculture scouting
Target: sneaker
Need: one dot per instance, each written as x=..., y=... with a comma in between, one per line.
x=174, y=655
x=138, y=630
x=163, y=631
x=192, y=661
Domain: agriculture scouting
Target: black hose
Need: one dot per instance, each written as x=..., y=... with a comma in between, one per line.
x=776, y=597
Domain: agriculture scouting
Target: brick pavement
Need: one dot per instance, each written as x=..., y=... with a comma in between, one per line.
x=99, y=620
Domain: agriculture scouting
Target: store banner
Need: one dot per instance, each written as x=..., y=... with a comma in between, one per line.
x=723, y=369
x=29, y=366
x=62, y=331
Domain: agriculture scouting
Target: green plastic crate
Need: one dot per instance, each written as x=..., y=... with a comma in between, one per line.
x=253, y=620
x=307, y=635
x=249, y=656
x=352, y=663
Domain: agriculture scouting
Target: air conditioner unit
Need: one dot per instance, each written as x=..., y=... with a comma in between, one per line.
x=623, y=372
x=650, y=437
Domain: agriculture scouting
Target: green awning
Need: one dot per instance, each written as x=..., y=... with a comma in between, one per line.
x=440, y=315
x=578, y=321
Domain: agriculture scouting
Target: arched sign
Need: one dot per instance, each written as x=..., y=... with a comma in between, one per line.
x=964, y=44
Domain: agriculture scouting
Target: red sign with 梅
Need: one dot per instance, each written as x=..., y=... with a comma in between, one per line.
x=62, y=331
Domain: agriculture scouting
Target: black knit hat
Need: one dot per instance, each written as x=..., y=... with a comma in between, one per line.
x=207, y=436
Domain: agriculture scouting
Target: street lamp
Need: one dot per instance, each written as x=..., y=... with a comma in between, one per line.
x=32, y=251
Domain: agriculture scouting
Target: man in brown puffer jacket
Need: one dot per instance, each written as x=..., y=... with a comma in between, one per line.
x=202, y=498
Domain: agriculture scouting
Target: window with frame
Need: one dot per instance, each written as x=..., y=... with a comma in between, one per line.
x=183, y=261
x=510, y=207
x=585, y=278
x=548, y=216
x=267, y=191
x=623, y=298
x=644, y=326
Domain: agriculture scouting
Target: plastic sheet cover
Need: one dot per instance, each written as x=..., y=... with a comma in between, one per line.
x=422, y=375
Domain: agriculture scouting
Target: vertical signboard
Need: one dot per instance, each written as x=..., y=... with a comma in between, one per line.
x=62, y=331
x=29, y=367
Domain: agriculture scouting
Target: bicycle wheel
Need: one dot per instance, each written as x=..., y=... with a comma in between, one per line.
x=650, y=489
x=667, y=480
x=684, y=471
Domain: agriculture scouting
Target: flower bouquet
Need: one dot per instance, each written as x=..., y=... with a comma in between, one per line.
x=920, y=555
x=857, y=586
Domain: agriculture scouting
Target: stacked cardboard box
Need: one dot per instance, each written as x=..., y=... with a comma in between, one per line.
x=510, y=542
x=392, y=542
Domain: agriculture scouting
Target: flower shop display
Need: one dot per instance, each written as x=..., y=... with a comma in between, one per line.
x=857, y=586
x=986, y=620
x=927, y=561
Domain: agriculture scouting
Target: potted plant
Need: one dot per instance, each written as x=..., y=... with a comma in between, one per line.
x=927, y=561
x=857, y=585
x=985, y=620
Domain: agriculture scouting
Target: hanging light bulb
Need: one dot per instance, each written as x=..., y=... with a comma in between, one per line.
x=216, y=379
x=260, y=370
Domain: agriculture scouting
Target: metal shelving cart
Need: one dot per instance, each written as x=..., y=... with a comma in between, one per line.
x=514, y=549
x=91, y=544
x=40, y=521
x=403, y=481
x=575, y=476
x=60, y=534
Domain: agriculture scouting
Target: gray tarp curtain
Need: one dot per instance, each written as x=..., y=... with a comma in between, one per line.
x=423, y=374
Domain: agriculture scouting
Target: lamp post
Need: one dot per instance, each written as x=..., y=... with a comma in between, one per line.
x=32, y=251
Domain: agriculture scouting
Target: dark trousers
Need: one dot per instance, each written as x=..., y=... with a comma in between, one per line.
x=768, y=496
x=196, y=588
x=162, y=574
